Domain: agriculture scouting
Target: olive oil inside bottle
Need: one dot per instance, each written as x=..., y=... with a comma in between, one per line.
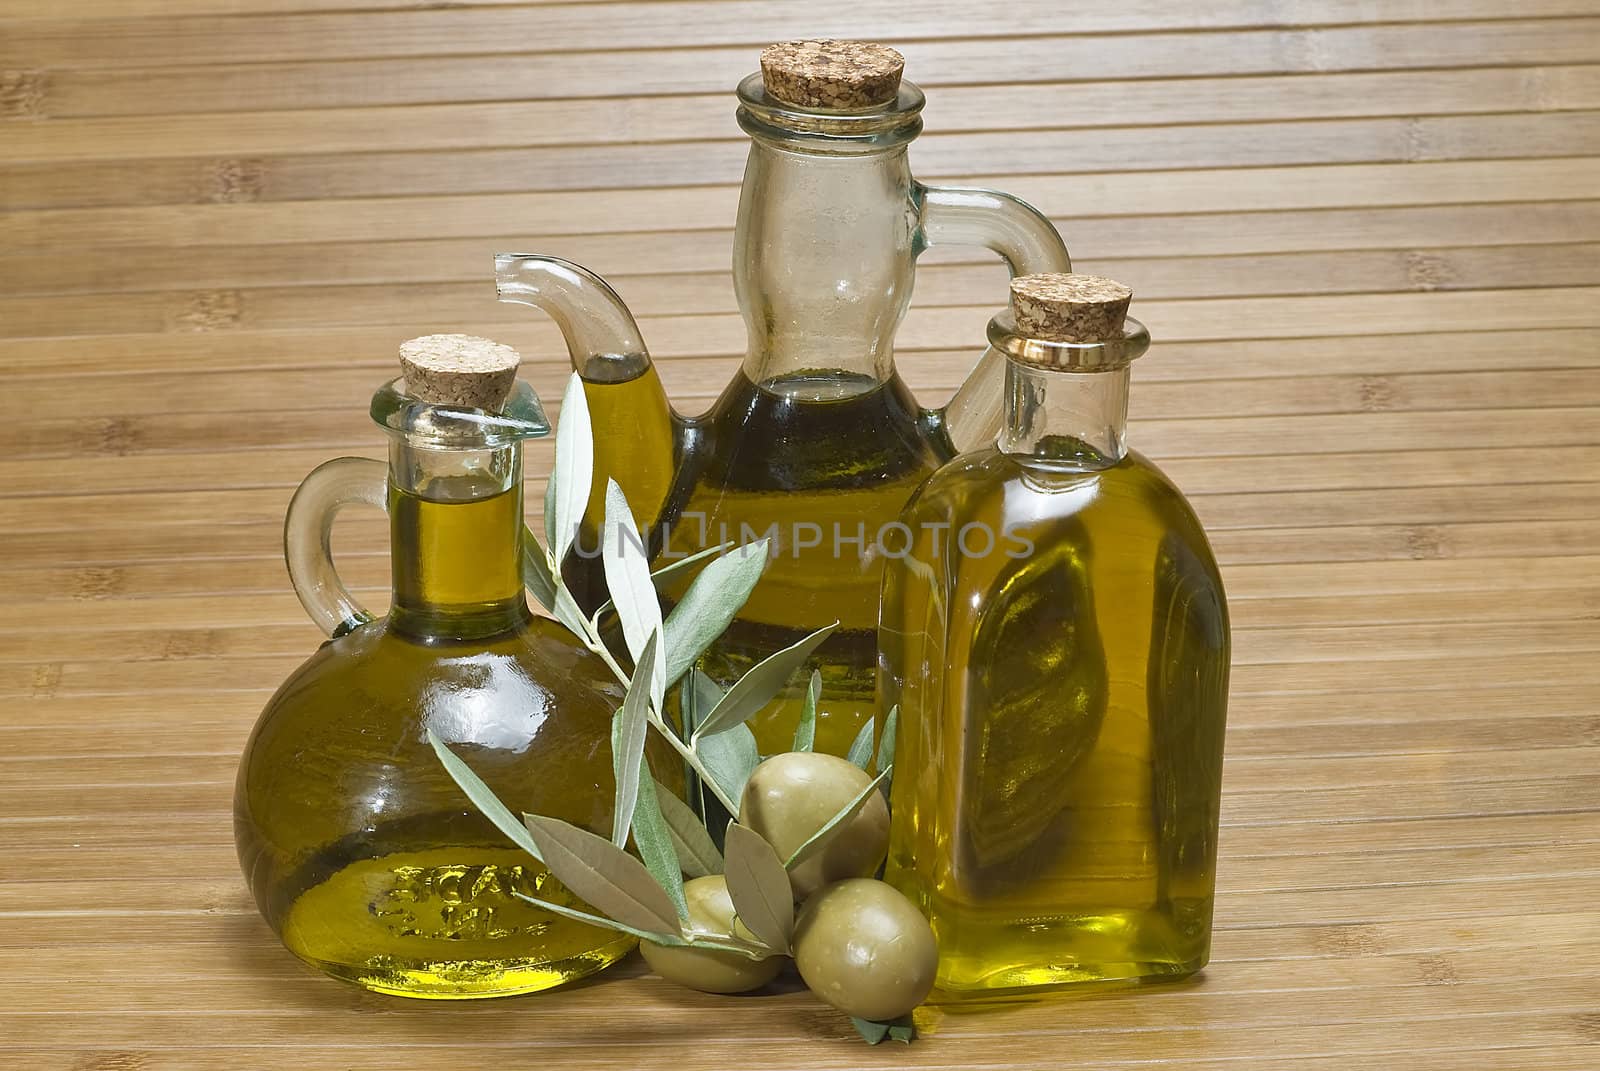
x=1067, y=737
x=635, y=443
x=362, y=853
x=822, y=462
x=458, y=553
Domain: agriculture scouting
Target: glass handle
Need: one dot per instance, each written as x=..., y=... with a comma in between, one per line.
x=308, y=532
x=1027, y=241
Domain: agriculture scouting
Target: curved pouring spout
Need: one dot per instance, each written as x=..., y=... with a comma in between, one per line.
x=638, y=438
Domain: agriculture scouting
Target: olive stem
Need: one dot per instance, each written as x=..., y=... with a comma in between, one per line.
x=591, y=639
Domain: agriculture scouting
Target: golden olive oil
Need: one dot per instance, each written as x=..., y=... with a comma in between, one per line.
x=1057, y=641
x=460, y=552
x=635, y=443
x=362, y=852
x=821, y=463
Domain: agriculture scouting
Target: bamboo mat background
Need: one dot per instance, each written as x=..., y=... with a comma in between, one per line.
x=1365, y=235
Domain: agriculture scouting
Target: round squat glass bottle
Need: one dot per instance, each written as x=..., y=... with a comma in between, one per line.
x=363, y=855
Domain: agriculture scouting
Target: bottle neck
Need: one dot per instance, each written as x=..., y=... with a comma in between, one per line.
x=455, y=525
x=824, y=259
x=1076, y=420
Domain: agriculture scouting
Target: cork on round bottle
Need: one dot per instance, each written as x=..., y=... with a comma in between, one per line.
x=1057, y=307
x=833, y=75
x=462, y=370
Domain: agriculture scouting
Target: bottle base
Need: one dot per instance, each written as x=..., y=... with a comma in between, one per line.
x=995, y=960
x=446, y=924
x=469, y=979
x=1029, y=982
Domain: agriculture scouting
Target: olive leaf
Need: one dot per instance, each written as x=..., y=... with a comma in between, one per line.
x=709, y=604
x=537, y=575
x=574, y=469
x=569, y=614
x=694, y=940
x=861, y=750
x=600, y=920
x=678, y=565
x=885, y=757
x=759, y=887
x=697, y=696
x=756, y=688
x=805, y=733
x=653, y=838
x=628, y=728
x=697, y=855
x=550, y=513
x=604, y=875
x=730, y=757
x=875, y=1032
x=628, y=579
x=820, y=838
x=482, y=798
x=664, y=574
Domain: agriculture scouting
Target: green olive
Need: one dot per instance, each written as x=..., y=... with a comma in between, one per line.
x=864, y=948
x=791, y=796
x=710, y=971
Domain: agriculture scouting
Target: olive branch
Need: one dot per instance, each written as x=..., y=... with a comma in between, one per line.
x=643, y=894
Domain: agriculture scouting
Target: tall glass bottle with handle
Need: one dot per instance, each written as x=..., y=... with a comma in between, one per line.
x=817, y=442
x=363, y=855
x=1056, y=637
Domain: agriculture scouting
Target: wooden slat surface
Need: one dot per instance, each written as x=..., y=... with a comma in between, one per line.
x=1366, y=236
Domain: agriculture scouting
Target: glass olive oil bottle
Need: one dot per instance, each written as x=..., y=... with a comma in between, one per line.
x=1055, y=634
x=362, y=853
x=816, y=441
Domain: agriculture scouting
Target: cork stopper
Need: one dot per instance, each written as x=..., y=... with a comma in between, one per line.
x=463, y=370
x=836, y=75
x=1057, y=307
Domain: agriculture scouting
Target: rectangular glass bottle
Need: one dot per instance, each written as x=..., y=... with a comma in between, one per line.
x=1055, y=635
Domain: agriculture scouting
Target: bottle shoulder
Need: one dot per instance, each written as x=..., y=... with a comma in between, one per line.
x=377, y=681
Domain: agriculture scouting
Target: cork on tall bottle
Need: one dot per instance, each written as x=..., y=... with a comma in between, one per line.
x=832, y=75
x=462, y=370
x=1057, y=307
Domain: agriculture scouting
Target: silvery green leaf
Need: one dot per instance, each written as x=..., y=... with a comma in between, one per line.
x=664, y=574
x=482, y=798
x=537, y=575
x=697, y=855
x=697, y=696
x=805, y=733
x=759, y=887
x=600, y=920
x=873, y=1032
x=569, y=614
x=697, y=940
x=729, y=756
x=603, y=874
x=628, y=728
x=756, y=688
x=678, y=565
x=628, y=578
x=550, y=513
x=653, y=838
x=713, y=598
x=860, y=751
x=903, y=1029
x=886, y=740
x=821, y=837
x=574, y=469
